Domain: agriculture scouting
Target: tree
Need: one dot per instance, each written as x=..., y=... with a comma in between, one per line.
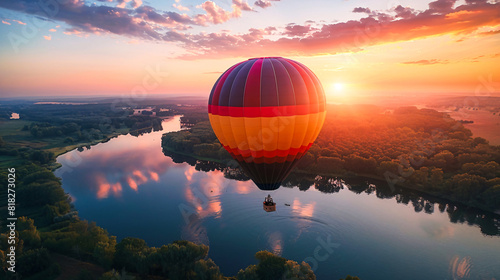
x=296, y=271
x=104, y=252
x=42, y=157
x=28, y=232
x=492, y=197
x=488, y=170
x=361, y=165
x=306, y=161
x=33, y=261
x=128, y=252
x=388, y=166
x=349, y=277
x=111, y=275
x=467, y=186
x=207, y=270
x=271, y=267
x=444, y=160
x=436, y=180
x=178, y=259
x=330, y=164
x=38, y=194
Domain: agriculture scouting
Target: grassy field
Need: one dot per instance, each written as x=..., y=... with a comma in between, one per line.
x=10, y=161
x=58, y=147
x=11, y=131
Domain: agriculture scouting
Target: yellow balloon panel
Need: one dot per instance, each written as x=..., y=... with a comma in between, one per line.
x=267, y=133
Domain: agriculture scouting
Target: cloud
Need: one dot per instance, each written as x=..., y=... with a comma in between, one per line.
x=122, y=3
x=293, y=30
x=427, y=62
x=145, y=22
x=400, y=24
x=242, y=5
x=436, y=230
x=92, y=19
x=6, y=22
x=48, y=38
x=264, y=3
x=216, y=72
x=72, y=32
x=20, y=22
x=180, y=7
x=136, y=3
x=404, y=12
x=488, y=33
x=52, y=30
x=442, y=6
x=140, y=21
x=214, y=14
x=362, y=10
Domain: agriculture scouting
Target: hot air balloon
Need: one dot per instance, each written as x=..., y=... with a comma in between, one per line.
x=267, y=112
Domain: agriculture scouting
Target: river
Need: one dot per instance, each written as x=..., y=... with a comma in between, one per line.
x=357, y=227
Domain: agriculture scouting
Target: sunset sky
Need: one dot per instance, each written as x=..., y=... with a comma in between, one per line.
x=356, y=48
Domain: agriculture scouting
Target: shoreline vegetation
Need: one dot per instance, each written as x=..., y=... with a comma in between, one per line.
x=52, y=242
x=418, y=149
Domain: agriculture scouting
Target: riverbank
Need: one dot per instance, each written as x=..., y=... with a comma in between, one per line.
x=418, y=149
x=52, y=235
x=345, y=175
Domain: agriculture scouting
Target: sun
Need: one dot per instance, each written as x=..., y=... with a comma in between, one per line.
x=337, y=89
x=338, y=86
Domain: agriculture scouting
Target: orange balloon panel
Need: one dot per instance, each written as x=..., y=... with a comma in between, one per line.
x=267, y=112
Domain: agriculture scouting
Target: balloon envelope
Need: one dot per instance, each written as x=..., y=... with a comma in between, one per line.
x=267, y=112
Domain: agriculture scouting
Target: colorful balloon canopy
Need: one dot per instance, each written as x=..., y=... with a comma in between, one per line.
x=267, y=112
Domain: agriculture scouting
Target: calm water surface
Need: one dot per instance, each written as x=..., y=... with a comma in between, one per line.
x=129, y=187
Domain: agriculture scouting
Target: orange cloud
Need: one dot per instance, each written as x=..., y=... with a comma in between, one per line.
x=5, y=22
x=275, y=241
x=244, y=187
x=296, y=30
x=132, y=184
x=136, y=3
x=205, y=199
x=142, y=178
x=427, y=62
x=180, y=7
x=306, y=210
x=377, y=28
x=72, y=32
x=214, y=14
x=48, y=38
x=460, y=14
x=104, y=188
x=189, y=173
x=145, y=22
x=20, y=22
x=241, y=5
x=154, y=176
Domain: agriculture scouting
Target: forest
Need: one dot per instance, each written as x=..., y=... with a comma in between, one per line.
x=50, y=234
x=419, y=149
